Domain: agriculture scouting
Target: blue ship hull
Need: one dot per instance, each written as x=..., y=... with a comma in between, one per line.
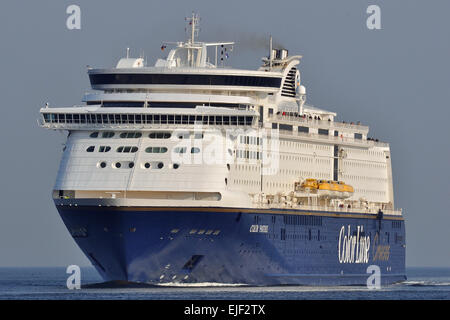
x=232, y=245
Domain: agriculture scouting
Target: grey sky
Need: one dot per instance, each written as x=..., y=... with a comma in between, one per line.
x=396, y=80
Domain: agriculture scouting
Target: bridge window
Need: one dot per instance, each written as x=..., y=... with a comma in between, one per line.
x=181, y=79
x=90, y=149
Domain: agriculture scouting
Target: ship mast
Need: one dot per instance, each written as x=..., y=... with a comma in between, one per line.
x=193, y=22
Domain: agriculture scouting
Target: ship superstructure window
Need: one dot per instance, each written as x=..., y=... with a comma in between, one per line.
x=250, y=140
x=183, y=79
x=90, y=149
x=156, y=150
x=303, y=129
x=184, y=135
x=107, y=134
x=198, y=135
x=160, y=135
x=180, y=150
x=195, y=150
x=104, y=148
x=94, y=134
x=127, y=149
x=285, y=127
x=358, y=136
x=115, y=118
x=323, y=132
x=129, y=135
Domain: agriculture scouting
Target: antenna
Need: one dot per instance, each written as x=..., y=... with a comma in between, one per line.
x=128, y=53
x=271, y=53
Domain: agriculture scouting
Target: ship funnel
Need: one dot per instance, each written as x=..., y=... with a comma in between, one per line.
x=279, y=54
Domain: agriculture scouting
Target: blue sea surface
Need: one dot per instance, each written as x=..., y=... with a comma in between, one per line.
x=50, y=284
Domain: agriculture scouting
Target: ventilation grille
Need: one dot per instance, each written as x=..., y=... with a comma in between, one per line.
x=288, y=89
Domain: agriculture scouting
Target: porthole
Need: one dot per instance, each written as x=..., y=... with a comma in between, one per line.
x=94, y=134
x=147, y=165
x=176, y=165
x=131, y=165
x=90, y=149
x=160, y=165
x=102, y=164
x=117, y=165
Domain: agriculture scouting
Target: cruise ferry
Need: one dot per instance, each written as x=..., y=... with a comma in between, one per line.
x=190, y=171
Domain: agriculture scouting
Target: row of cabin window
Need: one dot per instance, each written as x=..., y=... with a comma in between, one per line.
x=100, y=149
x=152, y=135
x=364, y=165
x=302, y=220
x=130, y=165
x=247, y=154
x=146, y=119
x=250, y=140
x=133, y=149
x=287, y=127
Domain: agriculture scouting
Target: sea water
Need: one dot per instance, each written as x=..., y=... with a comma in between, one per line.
x=50, y=284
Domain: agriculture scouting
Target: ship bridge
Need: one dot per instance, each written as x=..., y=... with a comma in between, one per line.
x=194, y=73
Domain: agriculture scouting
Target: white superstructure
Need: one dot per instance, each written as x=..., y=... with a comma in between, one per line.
x=190, y=131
